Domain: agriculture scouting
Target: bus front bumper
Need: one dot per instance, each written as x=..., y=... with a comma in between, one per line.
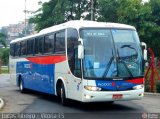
x=104, y=96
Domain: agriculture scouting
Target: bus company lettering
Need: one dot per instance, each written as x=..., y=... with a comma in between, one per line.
x=104, y=84
x=27, y=66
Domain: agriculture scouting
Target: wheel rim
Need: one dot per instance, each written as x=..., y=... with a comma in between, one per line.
x=62, y=94
x=21, y=86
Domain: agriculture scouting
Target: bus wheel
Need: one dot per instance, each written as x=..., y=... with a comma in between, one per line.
x=21, y=86
x=110, y=102
x=63, y=96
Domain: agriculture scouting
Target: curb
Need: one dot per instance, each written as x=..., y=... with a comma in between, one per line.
x=152, y=94
x=1, y=103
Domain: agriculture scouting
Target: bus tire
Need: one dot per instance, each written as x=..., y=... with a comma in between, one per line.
x=64, y=100
x=110, y=102
x=21, y=86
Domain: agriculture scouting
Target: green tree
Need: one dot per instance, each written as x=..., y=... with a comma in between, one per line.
x=59, y=11
x=4, y=52
x=154, y=40
x=45, y=15
x=52, y=13
x=4, y=55
x=2, y=39
x=108, y=10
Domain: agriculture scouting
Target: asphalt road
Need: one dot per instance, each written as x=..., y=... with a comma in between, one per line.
x=34, y=102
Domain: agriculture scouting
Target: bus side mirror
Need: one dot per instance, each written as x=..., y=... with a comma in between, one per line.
x=80, y=51
x=145, y=50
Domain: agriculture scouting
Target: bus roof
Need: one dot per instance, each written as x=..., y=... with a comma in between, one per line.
x=76, y=24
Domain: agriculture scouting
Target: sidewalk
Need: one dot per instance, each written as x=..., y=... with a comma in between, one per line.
x=1, y=103
x=152, y=94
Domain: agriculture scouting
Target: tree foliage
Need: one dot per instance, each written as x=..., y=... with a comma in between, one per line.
x=145, y=16
x=154, y=39
x=59, y=11
x=4, y=55
x=4, y=52
x=2, y=39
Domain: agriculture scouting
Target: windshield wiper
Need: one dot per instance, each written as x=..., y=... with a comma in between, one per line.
x=123, y=46
x=108, y=65
x=129, y=46
x=120, y=60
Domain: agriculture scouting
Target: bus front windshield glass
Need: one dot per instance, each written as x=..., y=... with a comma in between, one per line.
x=111, y=53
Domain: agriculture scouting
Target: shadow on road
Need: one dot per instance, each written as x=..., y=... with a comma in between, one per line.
x=83, y=107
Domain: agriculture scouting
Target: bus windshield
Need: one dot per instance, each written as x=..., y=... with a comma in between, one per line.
x=111, y=53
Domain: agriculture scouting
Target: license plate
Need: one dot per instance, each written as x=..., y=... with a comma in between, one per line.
x=117, y=96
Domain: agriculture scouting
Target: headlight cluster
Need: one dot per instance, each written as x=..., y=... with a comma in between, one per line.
x=138, y=87
x=92, y=88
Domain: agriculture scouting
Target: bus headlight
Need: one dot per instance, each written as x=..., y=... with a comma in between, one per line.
x=138, y=87
x=92, y=88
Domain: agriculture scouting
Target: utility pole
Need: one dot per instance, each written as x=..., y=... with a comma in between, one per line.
x=91, y=10
x=0, y=66
x=25, y=33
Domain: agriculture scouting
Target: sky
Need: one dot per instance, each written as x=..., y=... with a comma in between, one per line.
x=12, y=11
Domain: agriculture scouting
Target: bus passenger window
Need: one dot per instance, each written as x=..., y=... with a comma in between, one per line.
x=36, y=46
x=72, y=52
x=12, y=49
x=23, y=48
x=30, y=44
x=41, y=42
x=60, y=42
x=17, y=49
x=39, y=45
x=48, y=43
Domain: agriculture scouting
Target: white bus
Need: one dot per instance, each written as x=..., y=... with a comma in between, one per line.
x=86, y=61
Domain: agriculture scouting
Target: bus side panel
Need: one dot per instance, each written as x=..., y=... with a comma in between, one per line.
x=37, y=77
x=73, y=85
x=61, y=72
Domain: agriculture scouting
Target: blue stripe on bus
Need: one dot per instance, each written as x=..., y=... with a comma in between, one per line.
x=36, y=76
x=114, y=85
